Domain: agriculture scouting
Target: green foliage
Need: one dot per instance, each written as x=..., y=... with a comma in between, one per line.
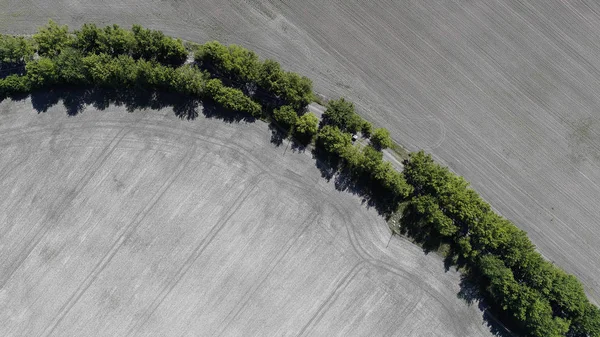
x=243, y=67
x=364, y=164
x=15, y=49
x=286, y=116
x=42, y=72
x=115, y=41
x=367, y=129
x=543, y=298
x=429, y=217
x=341, y=113
x=87, y=39
x=333, y=140
x=232, y=99
x=233, y=62
x=296, y=90
x=381, y=138
x=70, y=67
x=271, y=77
x=391, y=181
x=186, y=79
x=528, y=306
x=51, y=39
x=140, y=43
x=306, y=127
x=105, y=71
x=154, y=45
x=588, y=324
x=14, y=84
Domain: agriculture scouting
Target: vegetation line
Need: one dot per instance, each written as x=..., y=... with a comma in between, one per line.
x=435, y=207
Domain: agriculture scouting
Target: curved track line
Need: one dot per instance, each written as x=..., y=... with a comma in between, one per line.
x=127, y=231
x=197, y=252
x=85, y=179
x=324, y=307
x=231, y=316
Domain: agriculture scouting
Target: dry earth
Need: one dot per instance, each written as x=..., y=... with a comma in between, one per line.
x=139, y=224
x=504, y=92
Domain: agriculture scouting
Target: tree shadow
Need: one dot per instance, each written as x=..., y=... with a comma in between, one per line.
x=472, y=293
x=278, y=135
x=11, y=68
x=75, y=100
x=331, y=168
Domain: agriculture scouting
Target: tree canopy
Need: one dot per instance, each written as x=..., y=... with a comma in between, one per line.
x=341, y=113
x=381, y=138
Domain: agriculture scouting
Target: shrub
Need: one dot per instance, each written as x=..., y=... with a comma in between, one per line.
x=333, y=140
x=51, y=39
x=367, y=129
x=306, y=127
x=286, y=117
x=15, y=49
x=14, y=84
x=341, y=114
x=154, y=45
x=381, y=138
x=42, y=72
x=232, y=99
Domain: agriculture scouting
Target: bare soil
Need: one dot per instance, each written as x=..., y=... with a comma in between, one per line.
x=119, y=223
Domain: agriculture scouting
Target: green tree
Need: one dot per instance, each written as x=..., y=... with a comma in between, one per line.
x=587, y=325
x=88, y=39
x=231, y=99
x=287, y=117
x=271, y=77
x=525, y=304
x=306, y=127
x=381, y=138
x=333, y=140
x=341, y=113
x=188, y=80
x=354, y=158
x=15, y=49
x=51, y=39
x=367, y=129
x=391, y=181
x=116, y=41
x=297, y=90
x=42, y=72
x=14, y=84
x=70, y=67
x=154, y=45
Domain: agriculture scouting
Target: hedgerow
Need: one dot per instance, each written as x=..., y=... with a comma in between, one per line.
x=113, y=58
x=438, y=207
x=540, y=298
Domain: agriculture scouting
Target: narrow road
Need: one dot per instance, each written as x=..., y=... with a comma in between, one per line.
x=319, y=110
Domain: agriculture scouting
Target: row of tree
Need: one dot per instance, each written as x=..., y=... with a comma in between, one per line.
x=302, y=127
x=541, y=299
x=69, y=65
x=265, y=81
x=15, y=49
x=139, y=43
x=363, y=164
x=440, y=207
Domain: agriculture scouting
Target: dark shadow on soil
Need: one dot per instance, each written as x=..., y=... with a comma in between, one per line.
x=76, y=99
x=330, y=168
x=471, y=293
